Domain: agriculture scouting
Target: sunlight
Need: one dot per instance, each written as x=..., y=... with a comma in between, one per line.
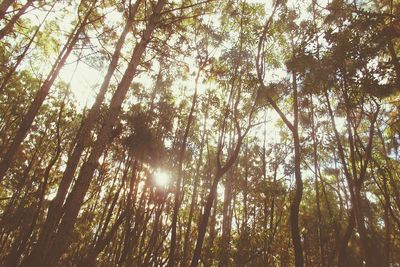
x=221, y=191
x=161, y=178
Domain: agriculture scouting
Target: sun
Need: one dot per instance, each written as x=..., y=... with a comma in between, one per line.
x=161, y=178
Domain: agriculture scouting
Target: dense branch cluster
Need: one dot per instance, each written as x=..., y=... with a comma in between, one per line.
x=199, y=133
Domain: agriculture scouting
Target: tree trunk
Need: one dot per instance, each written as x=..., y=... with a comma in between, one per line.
x=10, y=25
x=194, y=196
x=82, y=140
x=210, y=200
x=27, y=120
x=316, y=185
x=177, y=200
x=90, y=260
x=295, y=205
x=4, y=7
x=76, y=197
x=9, y=75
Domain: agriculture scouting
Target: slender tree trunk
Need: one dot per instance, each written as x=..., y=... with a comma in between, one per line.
x=208, y=255
x=177, y=200
x=293, y=127
x=194, y=196
x=27, y=120
x=5, y=4
x=366, y=244
x=90, y=260
x=295, y=205
x=76, y=197
x=210, y=200
x=19, y=245
x=317, y=193
x=10, y=74
x=204, y=221
x=226, y=221
x=155, y=235
x=355, y=180
x=113, y=198
x=10, y=25
x=343, y=242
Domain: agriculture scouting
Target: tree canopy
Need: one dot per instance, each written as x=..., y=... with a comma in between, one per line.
x=199, y=133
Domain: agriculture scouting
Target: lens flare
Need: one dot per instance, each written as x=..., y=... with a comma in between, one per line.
x=161, y=178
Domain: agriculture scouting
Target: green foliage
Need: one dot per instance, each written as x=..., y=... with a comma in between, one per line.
x=341, y=57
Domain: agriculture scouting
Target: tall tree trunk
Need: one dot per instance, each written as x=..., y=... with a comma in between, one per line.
x=177, y=199
x=10, y=25
x=76, y=197
x=221, y=170
x=82, y=139
x=194, y=195
x=295, y=205
x=316, y=185
x=226, y=221
x=33, y=110
x=293, y=127
x=90, y=259
x=359, y=178
x=11, y=72
x=343, y=242
x=155, y=235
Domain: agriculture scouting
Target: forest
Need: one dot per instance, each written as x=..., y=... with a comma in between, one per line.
x=199, y=133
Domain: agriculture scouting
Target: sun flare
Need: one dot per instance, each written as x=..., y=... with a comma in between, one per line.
x=161, y=178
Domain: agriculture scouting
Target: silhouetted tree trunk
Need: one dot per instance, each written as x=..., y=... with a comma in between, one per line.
x=19, y=245
x=221, y=170
x=226, y=221
x=177, y=199
x=10, y=25
x=5, y=4
x=33, y=110
x=317, y=185
x=75, y=199
x=295, y=205
x=83, y=138
x=293, y=127
x=194, y=195
x=90, y=259
x=11, y=72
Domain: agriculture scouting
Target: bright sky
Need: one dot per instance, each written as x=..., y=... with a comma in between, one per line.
x=84, y=82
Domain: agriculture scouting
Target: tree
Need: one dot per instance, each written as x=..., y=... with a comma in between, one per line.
x=224, y=133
